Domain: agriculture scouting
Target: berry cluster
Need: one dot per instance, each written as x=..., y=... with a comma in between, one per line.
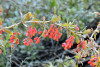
x=28, y=42
x=69, y=43
x=0, y=51
x=31, y=32
x=81, y=45
x=37, y=40
x=0, y=11
x=0, y=30
x=77, y=28
x=0, y=22
x=13, y=40
x=40, y=32
x=93, y=61
x=53, y=32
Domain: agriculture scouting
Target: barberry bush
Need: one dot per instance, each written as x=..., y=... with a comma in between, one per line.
x=37, y=30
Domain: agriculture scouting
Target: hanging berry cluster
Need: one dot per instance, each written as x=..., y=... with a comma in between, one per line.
x=0, y=11
x=93, y=61
x=81, y=45
x=13, y=39
x=30, y=33
x=69, y=43
x=53, y=33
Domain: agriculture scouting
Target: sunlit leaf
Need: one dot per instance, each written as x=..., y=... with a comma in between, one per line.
x=9, y=32
x=95, y=34
x=65, y=24
x=77, y=56
x=87, y=31
x=77, y=39
x=28, y=16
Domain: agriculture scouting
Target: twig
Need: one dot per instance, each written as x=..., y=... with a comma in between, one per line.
x=35, y=21
x=23, y=23
x=10, y=26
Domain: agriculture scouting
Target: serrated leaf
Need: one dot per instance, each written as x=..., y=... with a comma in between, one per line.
x=9, y=32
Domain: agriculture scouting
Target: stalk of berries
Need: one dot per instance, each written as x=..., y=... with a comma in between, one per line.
x=93, y=61
x=12, y=39
x=30, y=33
x=81, y=45
x=69, y=43
x=53, y=33
x=0, y=11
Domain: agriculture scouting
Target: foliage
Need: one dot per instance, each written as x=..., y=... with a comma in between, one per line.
x=19, y=27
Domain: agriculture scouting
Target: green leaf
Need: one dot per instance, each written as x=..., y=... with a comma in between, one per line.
x=59, y=17
x=28, y=16
x=87, y=31
x=77, y=39
x=7, y=45
x=54, y=18
x=2, y=43
x=1, y=19
x=60, y=65
x=77, y=56
x=77, y=65
x=92, y=56
x=9, y=32
x=8, y=36
x=95, y=34
x=65, y=24
x=4, y=50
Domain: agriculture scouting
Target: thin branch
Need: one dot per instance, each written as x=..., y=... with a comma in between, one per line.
x=23, y=23
x=11, y=26
x=35, y=21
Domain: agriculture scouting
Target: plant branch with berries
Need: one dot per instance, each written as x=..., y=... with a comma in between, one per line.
x=54, y=31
